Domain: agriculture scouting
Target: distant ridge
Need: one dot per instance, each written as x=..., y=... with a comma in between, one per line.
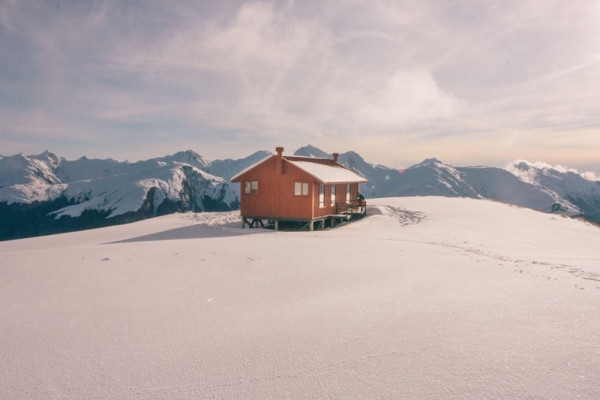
x=311, y=151
x=43, y=193
x=539, y=187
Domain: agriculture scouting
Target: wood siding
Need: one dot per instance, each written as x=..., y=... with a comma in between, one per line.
x=275, y=197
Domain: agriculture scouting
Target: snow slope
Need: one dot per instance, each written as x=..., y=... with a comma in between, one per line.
x=430, y=297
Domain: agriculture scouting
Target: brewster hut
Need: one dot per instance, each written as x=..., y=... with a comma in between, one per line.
x=306, y=192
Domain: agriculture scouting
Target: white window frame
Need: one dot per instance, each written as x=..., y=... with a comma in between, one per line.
x=348, y=190
x=333, y=195
x=300, y=188
x=321, y=196
x=250, y=187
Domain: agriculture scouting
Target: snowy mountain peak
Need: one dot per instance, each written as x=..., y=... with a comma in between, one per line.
x=356, y=163
x=47, y=157
x=20, y=170
x=311, y=151
x=186, y=157
x=428, y=163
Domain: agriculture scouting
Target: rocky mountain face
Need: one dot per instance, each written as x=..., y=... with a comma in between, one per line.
x=44, y=194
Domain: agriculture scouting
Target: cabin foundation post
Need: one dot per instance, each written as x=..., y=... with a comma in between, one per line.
x=276, y=225
x=252, y=224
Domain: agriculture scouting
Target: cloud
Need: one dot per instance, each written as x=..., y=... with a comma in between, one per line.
x=452, y=78
x=284, y=73
x=408, y=97
x=591, y=176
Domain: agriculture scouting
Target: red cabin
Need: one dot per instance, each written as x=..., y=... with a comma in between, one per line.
x=298, y=189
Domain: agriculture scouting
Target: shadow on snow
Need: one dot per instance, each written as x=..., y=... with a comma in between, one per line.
x=198, y=231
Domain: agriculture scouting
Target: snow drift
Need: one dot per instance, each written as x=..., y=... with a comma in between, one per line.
x=428, y=297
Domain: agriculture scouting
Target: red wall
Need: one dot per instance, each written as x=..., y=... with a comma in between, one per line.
x=275, y=198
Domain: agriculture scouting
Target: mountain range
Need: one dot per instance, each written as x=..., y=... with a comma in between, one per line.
x=42, y=194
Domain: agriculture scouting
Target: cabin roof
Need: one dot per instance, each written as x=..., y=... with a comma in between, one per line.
x=322, y=169
x=329, y=172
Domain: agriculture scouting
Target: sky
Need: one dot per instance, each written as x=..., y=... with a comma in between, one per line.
x=468, y=82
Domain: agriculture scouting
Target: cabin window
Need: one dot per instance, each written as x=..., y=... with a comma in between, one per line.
x=347, y=193
x=332, y=195
x=301, y=188
x=251, y=187
x=321, y=196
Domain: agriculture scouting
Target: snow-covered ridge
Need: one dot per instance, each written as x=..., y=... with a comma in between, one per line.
x=186, y=181
x=112, y=186
x=535, y=186
x=562, y=183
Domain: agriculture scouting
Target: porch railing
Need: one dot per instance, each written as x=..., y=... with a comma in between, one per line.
x=349, y=207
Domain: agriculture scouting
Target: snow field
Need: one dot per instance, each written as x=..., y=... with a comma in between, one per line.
x=426, y=298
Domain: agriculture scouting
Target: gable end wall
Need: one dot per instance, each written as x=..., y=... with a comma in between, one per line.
x=275, y=198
